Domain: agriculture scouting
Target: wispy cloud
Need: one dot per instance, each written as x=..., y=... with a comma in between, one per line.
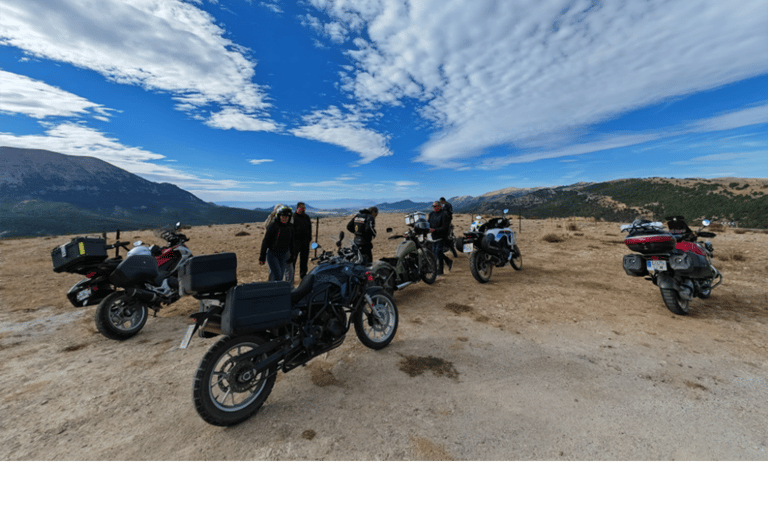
x=532, y=74
x=23, y=95
x=260, y=161
x=169, y=46
x=344, y=129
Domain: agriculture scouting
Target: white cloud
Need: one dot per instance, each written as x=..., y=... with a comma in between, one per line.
x=532, y=74
x=260, y=161
x=745, y=117
x=272, y=6
x=347, y=130
x=23, y=95
x=234, y=118
x=168, y=46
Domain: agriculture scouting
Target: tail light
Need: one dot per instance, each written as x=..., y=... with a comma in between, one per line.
x=369, y=276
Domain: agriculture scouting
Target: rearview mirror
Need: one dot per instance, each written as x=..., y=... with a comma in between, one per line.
x=389, y=230
x=315, y=245
x=506, y=211
x=341, y=236
x=705, y=223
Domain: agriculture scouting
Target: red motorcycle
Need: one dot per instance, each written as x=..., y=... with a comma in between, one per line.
x=673, y=260
x=123, y=288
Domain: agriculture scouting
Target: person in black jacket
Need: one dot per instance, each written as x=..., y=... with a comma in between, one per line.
x=363, y=226
x=448, y=209
x=439, y=227
x=279, y=239
x=302, y=225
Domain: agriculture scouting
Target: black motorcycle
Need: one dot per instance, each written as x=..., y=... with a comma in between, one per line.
x=490, y=243
x=122, y=288
x=268, y=328
x=673, y=260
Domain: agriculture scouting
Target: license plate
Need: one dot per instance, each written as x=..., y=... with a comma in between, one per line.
x=84, y=294
x=468, y=247
x=187, y=336
x=658, y=265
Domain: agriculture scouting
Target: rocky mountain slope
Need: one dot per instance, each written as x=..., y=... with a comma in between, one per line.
x=47, y=193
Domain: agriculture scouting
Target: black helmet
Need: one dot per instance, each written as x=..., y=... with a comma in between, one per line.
x=285, y=210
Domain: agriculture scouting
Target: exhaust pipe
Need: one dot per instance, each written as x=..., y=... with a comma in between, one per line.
x=143, y=295
x=403, y=285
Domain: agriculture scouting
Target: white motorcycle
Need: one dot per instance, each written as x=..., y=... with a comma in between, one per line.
x=490, y=243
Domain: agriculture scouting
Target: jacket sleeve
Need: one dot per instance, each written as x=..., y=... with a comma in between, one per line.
x=443, y=227
x=266, y=242
x=351, y=225
x=372, y=227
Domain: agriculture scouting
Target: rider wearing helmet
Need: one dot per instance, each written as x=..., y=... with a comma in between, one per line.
x=363, y=226
x=277, y=244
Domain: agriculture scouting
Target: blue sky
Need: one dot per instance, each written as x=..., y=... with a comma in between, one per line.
x=380, y=100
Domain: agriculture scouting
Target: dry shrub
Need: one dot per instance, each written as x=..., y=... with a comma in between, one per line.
x=730, y=256
x=553, y=238
x=572, y=227
x=739, y=231
x=243, y=233
x=716, y=228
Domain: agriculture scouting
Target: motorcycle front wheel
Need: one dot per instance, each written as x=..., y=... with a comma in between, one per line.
x=517, y=258
x=118, y=317
x=227, y=392
x=428, y=268
x=481, y=266
x=376, y=322
x=674, y=302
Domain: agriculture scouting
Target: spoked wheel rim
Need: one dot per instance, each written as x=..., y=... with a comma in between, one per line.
x=234, y=386
x=387, y=280
x=379, y=330
x=428, y=268
x=125, y=315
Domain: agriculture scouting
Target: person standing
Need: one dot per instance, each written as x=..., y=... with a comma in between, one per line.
x=439, y=227
x=277, y=244
x=302, y=225
x=363, y=226
x=448, y=209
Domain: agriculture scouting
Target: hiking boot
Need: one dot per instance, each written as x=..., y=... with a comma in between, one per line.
x=449, y=263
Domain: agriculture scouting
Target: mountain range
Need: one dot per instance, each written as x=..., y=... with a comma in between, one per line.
x=47, y=193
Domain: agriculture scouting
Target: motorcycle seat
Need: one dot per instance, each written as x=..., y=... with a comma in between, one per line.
x=301, y=291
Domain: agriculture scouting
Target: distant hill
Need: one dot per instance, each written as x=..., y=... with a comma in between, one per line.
x=740, y=200
x=48, y=193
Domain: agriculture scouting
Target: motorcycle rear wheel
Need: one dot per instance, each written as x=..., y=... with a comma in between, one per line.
x=219, y=380
x=517, y=259
x=480, y=265
x=372, y=332
x=428, y=268
x=385, y=277
x=674, y=302
x=119, y=317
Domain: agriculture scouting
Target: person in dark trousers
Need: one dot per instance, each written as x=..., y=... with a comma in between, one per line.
x=302, y=226
x=448, y=209
x=279, y=240
x=439, y=227
x=363, y=226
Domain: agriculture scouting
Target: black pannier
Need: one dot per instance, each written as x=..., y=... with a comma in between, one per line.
x=208, y=274
x=634, y=265
x=691, y=265
x=256, y=306
x=79, y=253
x=134, y=270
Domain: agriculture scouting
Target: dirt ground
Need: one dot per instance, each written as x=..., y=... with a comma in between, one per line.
x=567, y=359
